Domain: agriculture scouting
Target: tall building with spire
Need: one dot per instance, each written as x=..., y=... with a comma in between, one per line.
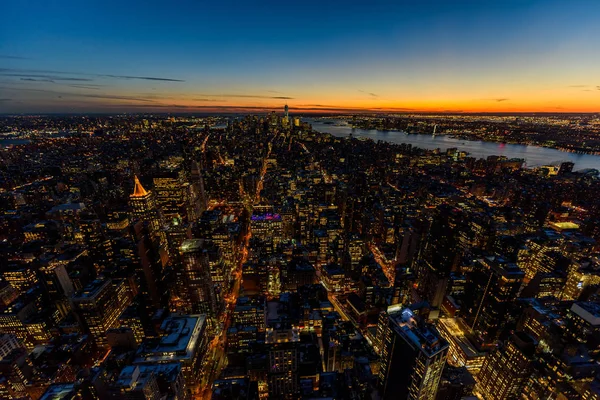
x=143, y=206
x=286, y=116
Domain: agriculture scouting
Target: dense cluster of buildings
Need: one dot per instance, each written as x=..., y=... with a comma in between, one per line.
x=159, y=258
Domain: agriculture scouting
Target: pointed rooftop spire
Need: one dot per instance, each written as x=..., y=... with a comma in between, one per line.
x=138, y=190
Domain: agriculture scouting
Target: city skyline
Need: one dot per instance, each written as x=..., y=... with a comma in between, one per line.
x=535, y=56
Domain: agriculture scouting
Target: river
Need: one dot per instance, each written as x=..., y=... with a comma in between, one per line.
x=10, y=142
x=534, y=156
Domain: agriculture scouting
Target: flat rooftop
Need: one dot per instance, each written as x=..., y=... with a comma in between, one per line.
x=92, y=289
x=459, y=337
x=421, y=336
x=192, y=244
x=590, y=312
x=181, y=337
x=137, y=375
x=59, y=391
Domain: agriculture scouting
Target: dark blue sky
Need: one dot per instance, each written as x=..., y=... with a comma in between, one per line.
x=56, y=55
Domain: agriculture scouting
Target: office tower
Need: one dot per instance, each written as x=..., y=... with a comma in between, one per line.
x=403, y=286
x=170, y=190
x=195, y=287
x=250, y=311
x=283, y=370
x=490, y=291
x=135, y=321
x=267, y=226
x=182, y=339
x=92, y=236
x=408, y=239
x=581, y=274
x=355, y=252
x=8, y=293
x=544, y=285
x=15, y=372
x=440, y=254
x=505, y=371
x=57, y=283
x=18, y=318
x=225, y=238
x=541, y=256
x=99, y=306
x=21, y=277
x=412, y=358
x=285, y=121
x=175, y=233
x=149, y=270
x=143, y=206
x=462, y=352
x=584, y=325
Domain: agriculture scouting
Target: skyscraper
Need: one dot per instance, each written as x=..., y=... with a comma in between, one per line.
x=99, y=306
x=505, y=371
x=283, y=353
x=489, y=294
x=143, y=206
x=440, y=253
x=196, y=290
x=170, y=191
x=412, y=358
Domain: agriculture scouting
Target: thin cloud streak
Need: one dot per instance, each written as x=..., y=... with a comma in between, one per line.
x=93, y=87
x=497, y=100
x=248, y=96
x=37, y=80
x=49, y=77
x=30, y=72
x=369, y=93
x=60, y=94
x=241, y=108
x=146, y=78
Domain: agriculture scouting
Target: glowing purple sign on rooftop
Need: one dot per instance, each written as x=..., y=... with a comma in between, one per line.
x=266, y=217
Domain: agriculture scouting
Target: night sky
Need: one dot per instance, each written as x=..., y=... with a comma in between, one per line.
x=191, y=56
